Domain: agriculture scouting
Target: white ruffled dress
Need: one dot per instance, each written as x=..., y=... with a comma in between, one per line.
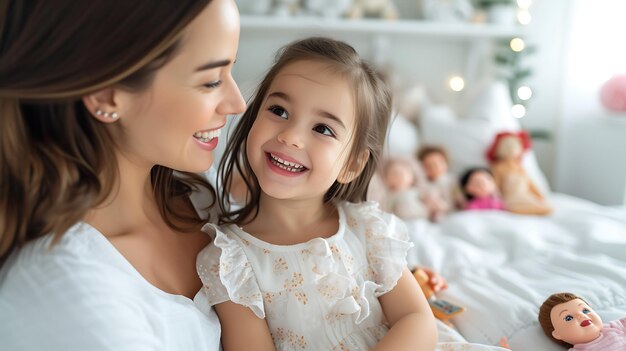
x=318, y=295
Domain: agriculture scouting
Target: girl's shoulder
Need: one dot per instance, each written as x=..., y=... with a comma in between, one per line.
x=385, y=241
x=371, y=224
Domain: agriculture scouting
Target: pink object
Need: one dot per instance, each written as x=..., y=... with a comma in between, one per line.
x=487, y=203
x=613, y=93
x=612, y=338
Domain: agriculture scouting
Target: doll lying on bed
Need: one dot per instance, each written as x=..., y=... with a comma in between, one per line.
x=569, y=321
x=519, y=192
x=403, y=197
x=479, y=188
x=440, y=192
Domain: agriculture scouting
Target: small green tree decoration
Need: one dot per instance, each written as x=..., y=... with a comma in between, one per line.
x=510, y=67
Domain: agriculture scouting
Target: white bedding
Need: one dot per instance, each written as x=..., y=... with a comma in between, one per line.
x=501, y=266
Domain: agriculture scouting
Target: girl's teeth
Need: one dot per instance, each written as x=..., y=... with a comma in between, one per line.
x=286, y=165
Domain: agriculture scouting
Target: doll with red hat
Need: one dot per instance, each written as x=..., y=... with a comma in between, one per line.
x=518, y=191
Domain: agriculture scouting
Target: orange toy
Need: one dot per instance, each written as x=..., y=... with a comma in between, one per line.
x=443, y=310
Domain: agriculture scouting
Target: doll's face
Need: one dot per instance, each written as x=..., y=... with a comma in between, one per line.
x=398, y=176
x=575, y=322
x=480, y=185
x=510, y=148
x=435, y=165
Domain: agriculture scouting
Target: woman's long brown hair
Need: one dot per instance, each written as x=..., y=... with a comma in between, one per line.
x=56, y=161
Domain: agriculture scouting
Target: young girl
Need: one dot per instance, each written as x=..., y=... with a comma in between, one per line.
x=305, y=264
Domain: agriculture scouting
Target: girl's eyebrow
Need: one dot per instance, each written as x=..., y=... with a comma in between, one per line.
x=318, y=112
x=329, y=115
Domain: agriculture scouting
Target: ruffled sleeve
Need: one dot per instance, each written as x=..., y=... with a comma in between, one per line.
x=227, y=274
x=386, y=242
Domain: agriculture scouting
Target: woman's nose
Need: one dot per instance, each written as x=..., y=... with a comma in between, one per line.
x=233, y=103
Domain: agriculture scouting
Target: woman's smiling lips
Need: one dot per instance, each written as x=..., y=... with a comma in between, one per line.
x=208, y=139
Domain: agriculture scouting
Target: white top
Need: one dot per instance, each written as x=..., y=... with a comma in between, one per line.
x=82, y=294
x=317, y=295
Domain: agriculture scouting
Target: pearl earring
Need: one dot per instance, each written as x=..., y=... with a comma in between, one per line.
x=112, y=115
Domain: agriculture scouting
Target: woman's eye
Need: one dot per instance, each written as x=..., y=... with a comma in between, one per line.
x=568, y=318
x=213, y=85
x=279, y=111
x=586, y=310
x=323, y=129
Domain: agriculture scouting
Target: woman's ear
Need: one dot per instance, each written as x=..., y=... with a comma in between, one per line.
x=102, y=106
x=353, y=169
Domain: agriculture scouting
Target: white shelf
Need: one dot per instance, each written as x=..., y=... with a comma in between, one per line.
x=377, y=26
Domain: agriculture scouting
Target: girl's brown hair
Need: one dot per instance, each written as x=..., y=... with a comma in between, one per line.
x=372, y=100
x=544, y=314
x=56, y=161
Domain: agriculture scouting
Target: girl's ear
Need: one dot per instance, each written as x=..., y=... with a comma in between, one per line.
x=102, y=105
x=354, y=169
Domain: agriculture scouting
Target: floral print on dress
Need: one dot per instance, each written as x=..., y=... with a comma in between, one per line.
x=322, y=294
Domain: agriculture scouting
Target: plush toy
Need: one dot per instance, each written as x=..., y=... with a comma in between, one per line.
x=479, y=188
x=519, y=193
x=327, y=8
x=373, y=8
x=440, y=191
x=569, y=321
x=447, y=10
x=403, y=198
x=285, y=8
x=442, y=309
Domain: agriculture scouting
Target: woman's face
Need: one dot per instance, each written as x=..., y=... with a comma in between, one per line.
x=176, y=121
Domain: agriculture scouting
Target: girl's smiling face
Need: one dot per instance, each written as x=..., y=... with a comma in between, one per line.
x=302, y=136
x=575, y=322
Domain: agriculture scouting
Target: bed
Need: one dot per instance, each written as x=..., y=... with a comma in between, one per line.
x=501, y=266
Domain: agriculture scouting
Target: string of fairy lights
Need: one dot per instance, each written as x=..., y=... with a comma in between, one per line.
x=509, y=55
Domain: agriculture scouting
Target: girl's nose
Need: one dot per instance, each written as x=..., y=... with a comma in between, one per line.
x=291, y=136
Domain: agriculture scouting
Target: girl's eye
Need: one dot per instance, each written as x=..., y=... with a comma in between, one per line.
x=324, y=129
x=586, y=310
x=278, y=111
x=568, y=318
x=213, y=85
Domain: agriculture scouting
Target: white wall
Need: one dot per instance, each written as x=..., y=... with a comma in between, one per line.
x=431, y=60
x=592, y=139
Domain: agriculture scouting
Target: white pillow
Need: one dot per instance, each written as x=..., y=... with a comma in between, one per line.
x=467, y=139
x=402, y=137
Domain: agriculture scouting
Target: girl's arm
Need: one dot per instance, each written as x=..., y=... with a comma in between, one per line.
x=411, y=321
x=242, y=329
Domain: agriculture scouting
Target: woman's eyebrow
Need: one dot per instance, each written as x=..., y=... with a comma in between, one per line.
x=213, y=64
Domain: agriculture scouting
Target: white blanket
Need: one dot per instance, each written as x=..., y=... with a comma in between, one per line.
x=502, y=266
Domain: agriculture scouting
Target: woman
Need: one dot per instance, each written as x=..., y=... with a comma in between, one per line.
x=99, y=102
